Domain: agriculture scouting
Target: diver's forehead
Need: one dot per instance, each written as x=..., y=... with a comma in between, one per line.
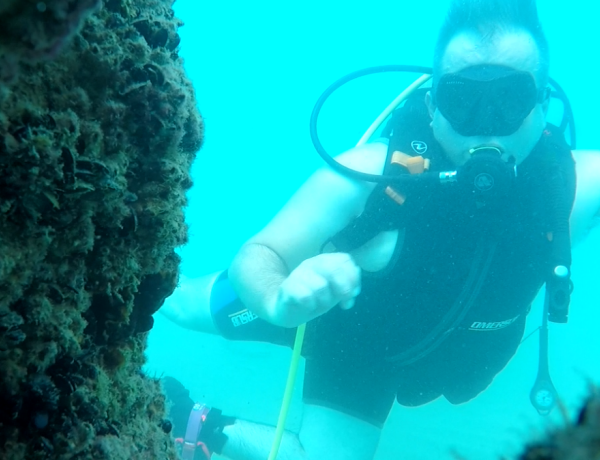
x=516, y=49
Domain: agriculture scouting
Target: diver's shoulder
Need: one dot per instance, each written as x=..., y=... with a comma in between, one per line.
x=587, y=200
x=586, y=155
x=367, y=158
x=587, y=167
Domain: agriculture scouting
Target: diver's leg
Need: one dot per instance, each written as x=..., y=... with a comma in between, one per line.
x=346, y=403
x=243, y=440
x=348, y=394
x=252, y=441
x=325, y=434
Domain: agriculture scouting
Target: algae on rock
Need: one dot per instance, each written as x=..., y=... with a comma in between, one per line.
x=98, y=129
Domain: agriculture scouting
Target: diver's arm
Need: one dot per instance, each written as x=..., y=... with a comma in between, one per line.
x=189, y=305
x=323, y=206
x=587, y=200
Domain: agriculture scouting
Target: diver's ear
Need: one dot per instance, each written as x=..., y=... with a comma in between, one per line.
x=429, y=103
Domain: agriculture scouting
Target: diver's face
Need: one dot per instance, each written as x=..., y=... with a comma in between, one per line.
x=517, y=50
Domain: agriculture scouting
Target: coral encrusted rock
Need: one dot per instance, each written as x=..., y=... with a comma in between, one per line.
x=98, y=129
x=34, y=30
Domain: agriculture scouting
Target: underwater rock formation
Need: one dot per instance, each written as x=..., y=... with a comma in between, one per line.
x=98, y=129
x=33, y=30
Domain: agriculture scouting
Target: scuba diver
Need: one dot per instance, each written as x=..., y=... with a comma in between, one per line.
x=417, y=286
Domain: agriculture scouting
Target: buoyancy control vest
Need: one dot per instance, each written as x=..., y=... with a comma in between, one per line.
x=457, y=265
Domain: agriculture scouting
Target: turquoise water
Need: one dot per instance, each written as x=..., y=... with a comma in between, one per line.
x=257, y=69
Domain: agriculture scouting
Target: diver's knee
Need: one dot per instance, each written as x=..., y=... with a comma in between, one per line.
x=327, y=434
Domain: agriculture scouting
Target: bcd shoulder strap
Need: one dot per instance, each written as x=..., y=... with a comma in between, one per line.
x=410, y=141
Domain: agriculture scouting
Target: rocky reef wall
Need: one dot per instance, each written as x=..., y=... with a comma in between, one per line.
x=98, y=129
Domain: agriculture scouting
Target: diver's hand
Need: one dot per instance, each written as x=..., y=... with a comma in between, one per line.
x=315, y=287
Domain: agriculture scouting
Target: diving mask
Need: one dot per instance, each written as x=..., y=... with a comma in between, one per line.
x=487, y=100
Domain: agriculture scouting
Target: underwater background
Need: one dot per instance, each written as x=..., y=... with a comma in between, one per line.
x=257, y=69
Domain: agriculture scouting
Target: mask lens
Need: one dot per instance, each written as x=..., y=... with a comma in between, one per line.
x=457, y=98
x=488, y=105
x=514, y=98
